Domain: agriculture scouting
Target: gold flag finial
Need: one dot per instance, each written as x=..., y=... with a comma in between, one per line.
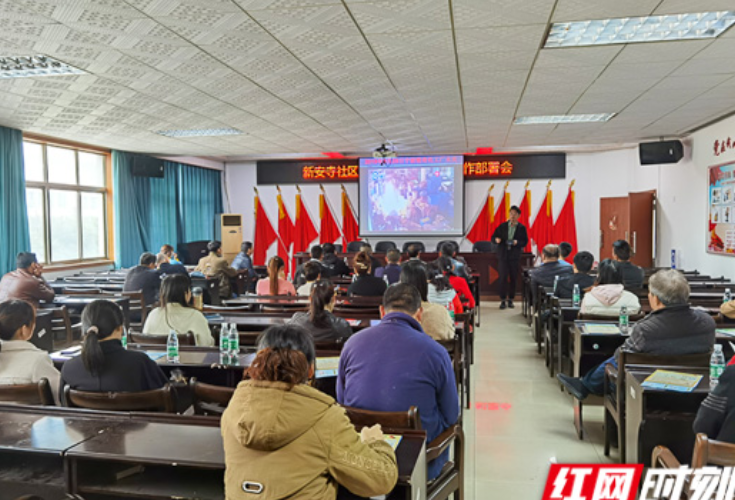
x=321, y=186
x=527, y=183
x=490, y=189
x=343, y=187
x=278, y=188
x=571, y=185
x=256, y=191
x=507, y=183
x=298, y=188
x=548, y=185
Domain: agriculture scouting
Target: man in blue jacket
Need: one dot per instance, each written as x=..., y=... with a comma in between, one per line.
x=395, y=365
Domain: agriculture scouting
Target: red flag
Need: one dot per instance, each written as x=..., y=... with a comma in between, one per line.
x=285, y=233
x=565, y=228
x=480, y=230
x=350, y=229
x=328, y=231
x=265, y=235
x=304, y=230
x=542, y=231
x=525, y=217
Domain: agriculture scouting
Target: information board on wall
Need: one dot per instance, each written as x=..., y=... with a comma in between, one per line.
x=721, y=224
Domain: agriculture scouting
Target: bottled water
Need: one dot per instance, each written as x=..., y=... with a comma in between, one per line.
x=172, y=347
x=385, y=278
x=224, y=344
x=623, y=322
x=124, y=338
x=556, y=283
x=728, y=296
x=575, y=296
x=233, y=341
x=716, y=366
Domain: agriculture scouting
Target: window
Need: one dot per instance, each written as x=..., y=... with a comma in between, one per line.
x=67, y=198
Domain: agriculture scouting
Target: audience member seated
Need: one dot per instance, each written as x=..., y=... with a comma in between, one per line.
x=450, y=249
x=175, y=313
x=632, y=274
x=316, y=258
x=459, y=284
x=319, y=321
x=333, y=265
x=275, y=283
x=104, y=364
x=312, y=273
x=214, y=266
x=582, y=266
x=727, y=309
x=394, y=365
x=375, y=263
x=20, y=361
x=547, y=272
x=168, y=251
x=166, y=268
x=414, y=254
x=565, y=250
x=392, y=270
x=276, y=423
x=435, y=319
x=608, y=295
x=440, y=290
x=144, y=278
x=673, y=328
x=365, y=284
x=26, y=282
x=716, y=415
x=244, y=261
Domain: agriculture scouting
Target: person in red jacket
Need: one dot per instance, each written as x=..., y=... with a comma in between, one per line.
x=459, y=284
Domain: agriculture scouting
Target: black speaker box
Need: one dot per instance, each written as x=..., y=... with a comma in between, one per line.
x=147, y=166
x=654, y=153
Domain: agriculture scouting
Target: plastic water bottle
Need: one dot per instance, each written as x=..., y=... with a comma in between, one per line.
x=727, y=297
x=124, y=338
x=224, y=344
x=556, y=283
x=576, y=296
x=385, y=278
x=233, y=341
x=172, y=347
x=716, y=366
x=623, y=321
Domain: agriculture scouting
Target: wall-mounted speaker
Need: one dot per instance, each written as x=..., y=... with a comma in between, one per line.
x=147, y=166
x=655, y=153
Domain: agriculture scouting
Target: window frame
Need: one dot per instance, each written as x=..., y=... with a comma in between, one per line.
x=46, y=187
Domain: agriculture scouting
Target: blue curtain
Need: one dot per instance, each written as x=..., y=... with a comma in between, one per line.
x=150, y=212
x=14, y=233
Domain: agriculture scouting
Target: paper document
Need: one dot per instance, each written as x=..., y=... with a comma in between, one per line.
x=602, y=328
x=672, y=381
x=726, y=331
x=327, y=367
x=393, y=440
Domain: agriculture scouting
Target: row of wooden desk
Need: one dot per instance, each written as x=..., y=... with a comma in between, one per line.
x=103, y=455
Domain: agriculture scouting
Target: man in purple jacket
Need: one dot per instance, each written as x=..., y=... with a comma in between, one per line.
x=394, y=365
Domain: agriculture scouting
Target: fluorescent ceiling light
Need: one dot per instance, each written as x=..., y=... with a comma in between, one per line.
x=533, y=120
x=640, y=29
x=205, y=132
x=30, y=66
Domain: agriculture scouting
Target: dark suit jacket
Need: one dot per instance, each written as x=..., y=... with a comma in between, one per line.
x=632, y=275
x=565, y=288
x=521, y=236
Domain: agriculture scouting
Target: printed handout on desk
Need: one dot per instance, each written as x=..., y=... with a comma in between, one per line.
x=393, y=440
x=726, y=331
x=155, y=355
x=326, y=367
x=602, y=328
x=354, y=322
x=672, y=381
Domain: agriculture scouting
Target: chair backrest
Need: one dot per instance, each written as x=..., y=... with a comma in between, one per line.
x=80, y=291
x=385, y=246
x=422, y=247
x=137, y=308
x=482, y=247
x=354, y=246
x=597, y=317
x=390, y=419
x=156, y=400
x=443, y=242
x=293, y=307
x=337, y=248
x=61, y=325
x=37, y=393
x=209, y=399
x=710, y=452
x=158, y=339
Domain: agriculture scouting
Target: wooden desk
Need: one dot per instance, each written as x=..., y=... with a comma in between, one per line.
x=657, y=417
x=76, y=303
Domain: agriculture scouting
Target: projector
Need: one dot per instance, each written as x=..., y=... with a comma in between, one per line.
x=384, y=151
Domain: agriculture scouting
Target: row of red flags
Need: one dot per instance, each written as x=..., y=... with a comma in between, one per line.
x=296, y=236
x=543, y=231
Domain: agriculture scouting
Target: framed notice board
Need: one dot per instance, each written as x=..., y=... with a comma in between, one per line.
x=721, y=211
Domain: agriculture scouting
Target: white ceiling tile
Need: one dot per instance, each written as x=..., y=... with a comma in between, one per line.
x=583, y=10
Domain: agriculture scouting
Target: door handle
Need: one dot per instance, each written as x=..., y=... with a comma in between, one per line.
x=635, y=241
x=602, y=239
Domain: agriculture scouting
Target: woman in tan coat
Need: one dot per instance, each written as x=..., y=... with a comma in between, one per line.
x=284, y=439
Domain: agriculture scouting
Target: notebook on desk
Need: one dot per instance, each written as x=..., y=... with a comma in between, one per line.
x=672, y=381
x=726, y=331
x=602, y=328
x=326, y=367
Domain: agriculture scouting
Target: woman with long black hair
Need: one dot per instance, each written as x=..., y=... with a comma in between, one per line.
x=319, y=321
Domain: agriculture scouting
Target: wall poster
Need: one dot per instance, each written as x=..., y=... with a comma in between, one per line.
x=721, y=210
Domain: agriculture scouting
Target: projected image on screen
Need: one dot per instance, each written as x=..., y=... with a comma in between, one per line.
x=404, y=197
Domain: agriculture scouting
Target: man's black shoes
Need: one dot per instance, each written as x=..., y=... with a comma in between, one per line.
x=574, y=386
x=502, y=304
x=510, y=304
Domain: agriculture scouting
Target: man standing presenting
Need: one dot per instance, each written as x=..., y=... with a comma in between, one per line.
x=511, y=238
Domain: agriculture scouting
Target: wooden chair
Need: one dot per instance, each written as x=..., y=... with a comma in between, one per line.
x=162, y=400
x=285, y=307
x=138, y=307
x=451, y=479
x=61, y=328
x=38, y=393
x=80, y=291
x=614, y=388
x=596, y=317
x=455, y=349
x=208, y=309
x=158, y=339
x=209, y=399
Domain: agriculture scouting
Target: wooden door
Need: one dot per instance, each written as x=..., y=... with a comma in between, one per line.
x=613, y=223
x=641, y=215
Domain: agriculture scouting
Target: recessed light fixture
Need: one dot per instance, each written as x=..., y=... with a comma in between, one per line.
x=29, y=66
x=534, y=120
x=204, y=132
x=640, y=29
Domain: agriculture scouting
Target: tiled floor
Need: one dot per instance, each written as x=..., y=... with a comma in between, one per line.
x=527, y=421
